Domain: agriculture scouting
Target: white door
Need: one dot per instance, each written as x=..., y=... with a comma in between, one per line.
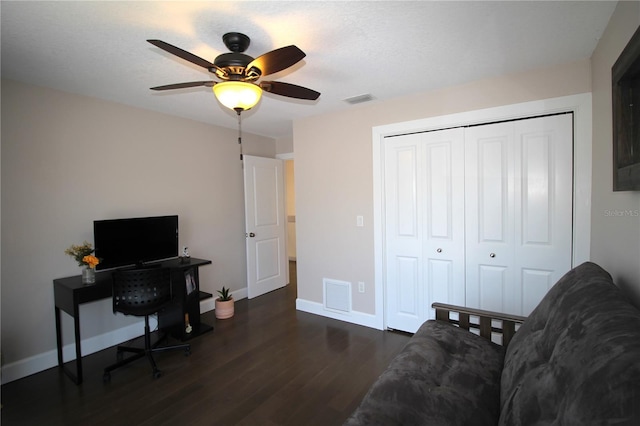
x=424, y=225
x=265, y=225
x=518, y=211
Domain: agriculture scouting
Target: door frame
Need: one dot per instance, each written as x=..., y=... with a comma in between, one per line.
x=580, y=105
x=284, y=157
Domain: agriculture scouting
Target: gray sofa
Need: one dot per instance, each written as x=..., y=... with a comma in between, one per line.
x=574, y=361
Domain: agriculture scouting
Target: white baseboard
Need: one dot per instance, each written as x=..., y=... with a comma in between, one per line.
x=243, y=293
x=353, y=317
x=208, y=304
x=37, y=363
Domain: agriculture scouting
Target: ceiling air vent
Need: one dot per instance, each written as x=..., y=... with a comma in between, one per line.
x=359, y=99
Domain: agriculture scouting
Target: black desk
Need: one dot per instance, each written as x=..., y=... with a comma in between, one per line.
x=69, y=293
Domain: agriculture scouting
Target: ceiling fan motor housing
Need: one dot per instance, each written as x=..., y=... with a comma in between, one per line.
x=233, y=65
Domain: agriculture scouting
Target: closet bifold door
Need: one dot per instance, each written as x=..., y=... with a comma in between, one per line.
x=424, y=225
x=518, y=211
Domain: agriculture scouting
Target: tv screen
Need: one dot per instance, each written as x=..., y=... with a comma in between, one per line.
x=135, y=241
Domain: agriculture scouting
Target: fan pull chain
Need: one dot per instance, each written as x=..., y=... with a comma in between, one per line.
x=239, y=131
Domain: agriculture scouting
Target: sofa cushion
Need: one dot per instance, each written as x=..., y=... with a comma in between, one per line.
x=576, y=359
x=443, y=376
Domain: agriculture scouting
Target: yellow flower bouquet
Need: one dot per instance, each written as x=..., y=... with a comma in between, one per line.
x=83, y=254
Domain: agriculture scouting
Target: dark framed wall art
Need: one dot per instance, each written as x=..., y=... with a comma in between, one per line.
x=625, y=75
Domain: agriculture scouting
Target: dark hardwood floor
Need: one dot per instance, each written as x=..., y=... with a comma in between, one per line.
x=268, y=365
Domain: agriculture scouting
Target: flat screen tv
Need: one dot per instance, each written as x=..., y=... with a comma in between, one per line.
x=135, y=241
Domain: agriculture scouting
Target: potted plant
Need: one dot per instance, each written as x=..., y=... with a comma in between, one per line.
x=224, y=304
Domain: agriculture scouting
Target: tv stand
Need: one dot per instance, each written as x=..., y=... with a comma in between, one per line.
x=69, y=293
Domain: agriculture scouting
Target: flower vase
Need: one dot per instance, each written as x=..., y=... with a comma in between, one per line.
x=88, y=275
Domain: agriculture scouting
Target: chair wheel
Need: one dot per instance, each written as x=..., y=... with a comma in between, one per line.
x=187, y=352
x=106, y=377
x=157, y=374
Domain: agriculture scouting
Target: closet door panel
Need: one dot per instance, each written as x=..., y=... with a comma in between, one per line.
x=537, y=189
x=424, y=229
x=438, y=191
x=407, y=289
x=492, y=188
x=443, y=247
x=404, y=233
x=518, y=211
x=441, y=280
x=544, y=202
x=405, y=196
x=489, y=216
x=492, y=280
x=535, y=284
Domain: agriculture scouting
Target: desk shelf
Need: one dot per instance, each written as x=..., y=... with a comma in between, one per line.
x=204, y=295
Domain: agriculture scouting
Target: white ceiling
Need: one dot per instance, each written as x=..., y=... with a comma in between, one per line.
x=385, y=48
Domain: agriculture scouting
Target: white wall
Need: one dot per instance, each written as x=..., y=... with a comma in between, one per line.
x=284, y=145
x=615, y=225
x=68, y=160
x=333, y=168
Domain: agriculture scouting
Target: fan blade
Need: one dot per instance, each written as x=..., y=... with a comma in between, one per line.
x=289, y=90
x=187, y=56
x=276, y=60
x=185, y=85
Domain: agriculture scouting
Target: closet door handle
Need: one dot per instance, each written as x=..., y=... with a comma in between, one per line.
x=492, y=255
x=439, y=250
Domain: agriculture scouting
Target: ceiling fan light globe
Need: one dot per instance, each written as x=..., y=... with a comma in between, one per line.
x=237, y=95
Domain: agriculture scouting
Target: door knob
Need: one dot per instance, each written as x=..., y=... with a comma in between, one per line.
x=251, y=234
x=492, y=255
x=439, y=250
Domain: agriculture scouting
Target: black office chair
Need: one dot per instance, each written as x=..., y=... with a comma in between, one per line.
x=142, y=292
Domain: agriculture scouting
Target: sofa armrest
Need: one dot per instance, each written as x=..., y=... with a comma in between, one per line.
x=485, y=324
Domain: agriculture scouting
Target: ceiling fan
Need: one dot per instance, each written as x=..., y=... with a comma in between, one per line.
x=239, y=89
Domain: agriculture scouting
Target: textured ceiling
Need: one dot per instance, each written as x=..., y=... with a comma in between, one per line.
x=384, y=48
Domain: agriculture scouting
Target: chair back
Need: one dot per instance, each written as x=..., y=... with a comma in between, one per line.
x=141, y=291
